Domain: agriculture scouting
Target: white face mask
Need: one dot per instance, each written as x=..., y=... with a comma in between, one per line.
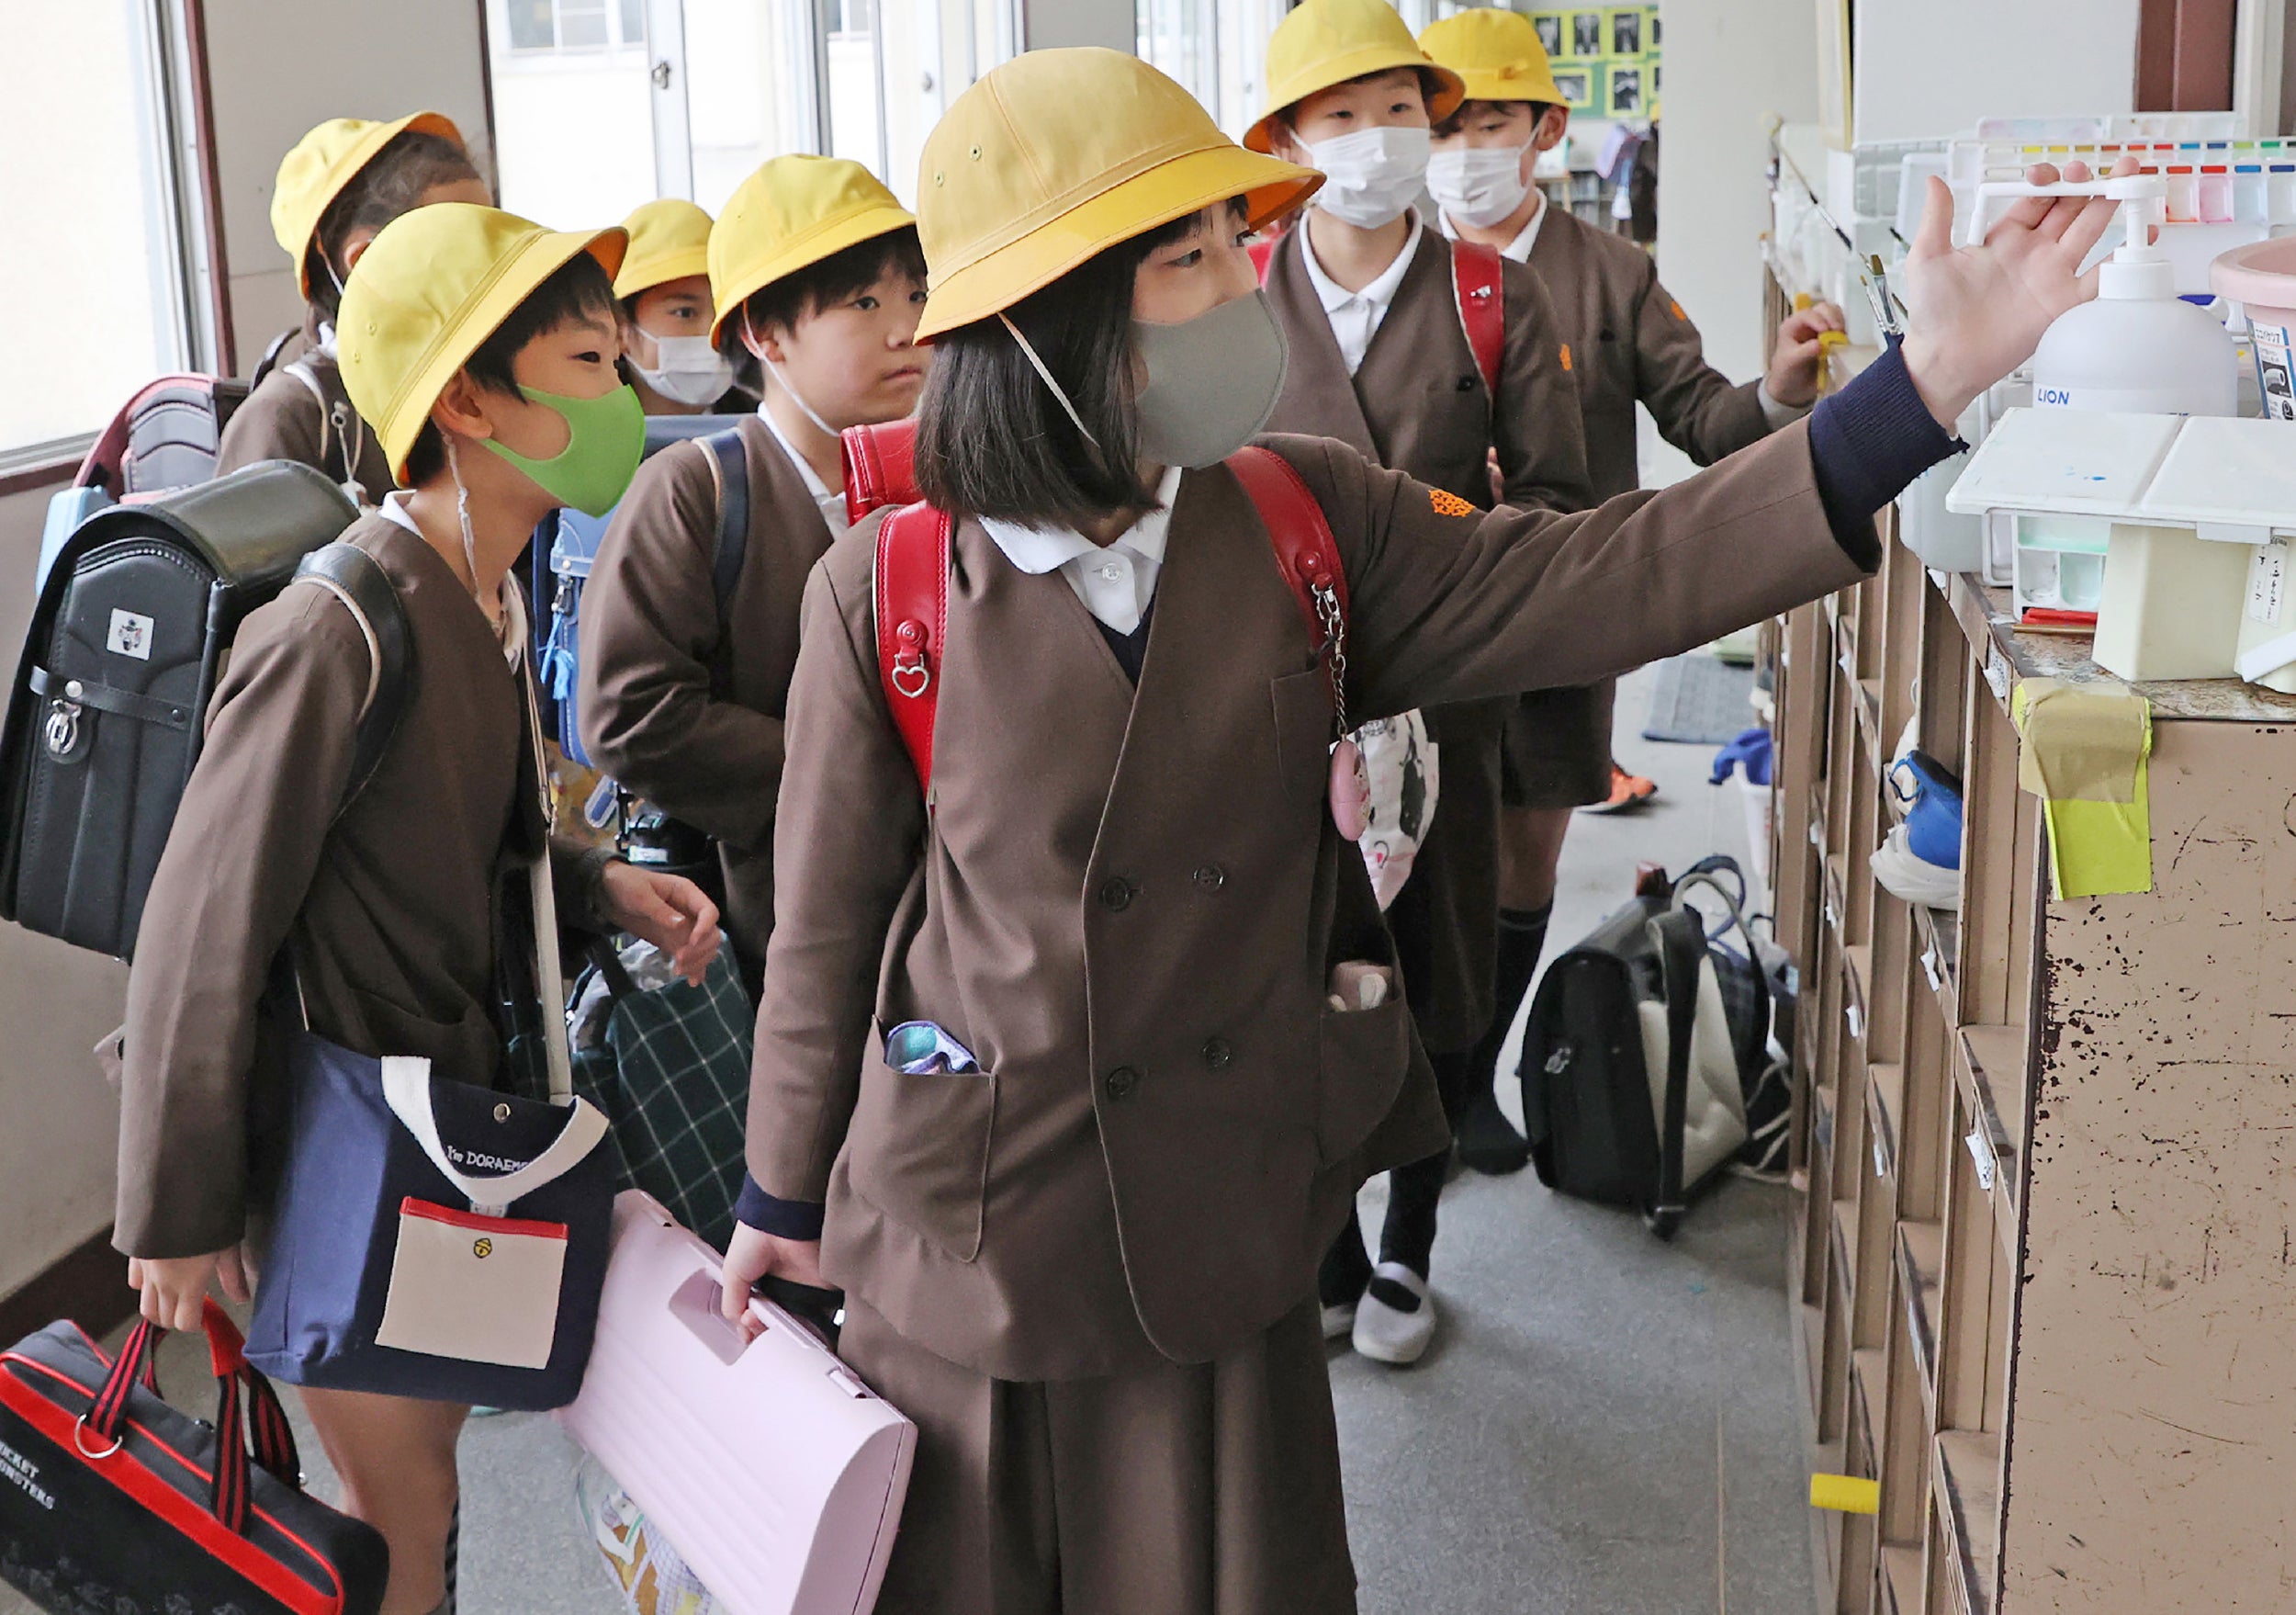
x=1479, y=186
x=690, y=371
x=1372, y=175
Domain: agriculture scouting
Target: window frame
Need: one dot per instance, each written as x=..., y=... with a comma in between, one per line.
x=614, y=12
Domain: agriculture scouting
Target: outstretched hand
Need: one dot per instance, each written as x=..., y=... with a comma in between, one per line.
x=1978, y=312
x=667, y=910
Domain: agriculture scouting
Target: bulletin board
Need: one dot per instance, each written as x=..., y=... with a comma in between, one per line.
x=1605, y=59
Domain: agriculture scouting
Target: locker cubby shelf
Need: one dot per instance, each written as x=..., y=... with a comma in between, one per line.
x=2014, y=1305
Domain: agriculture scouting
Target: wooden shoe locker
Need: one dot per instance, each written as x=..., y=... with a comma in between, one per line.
x=2042, y=1262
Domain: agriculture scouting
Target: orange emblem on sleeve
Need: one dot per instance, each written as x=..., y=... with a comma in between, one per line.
x=1448, y=504
x=1566, y=355
x=1677, y=308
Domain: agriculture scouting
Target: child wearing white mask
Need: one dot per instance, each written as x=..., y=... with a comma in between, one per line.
x=1632, y=343
x=664, y=287
x=1379, y=309
x=815, y=272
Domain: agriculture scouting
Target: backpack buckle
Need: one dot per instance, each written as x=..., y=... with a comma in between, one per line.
x=61, y=731
x=912, y=674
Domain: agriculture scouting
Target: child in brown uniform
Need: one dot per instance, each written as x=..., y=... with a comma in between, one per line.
x=335, y=191
x=1381, y=360
x=1082, y=1258
x=469, y=337
x=817, y=272
x=1630, y=342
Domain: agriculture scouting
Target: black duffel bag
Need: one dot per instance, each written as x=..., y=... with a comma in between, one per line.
x=111, y=1499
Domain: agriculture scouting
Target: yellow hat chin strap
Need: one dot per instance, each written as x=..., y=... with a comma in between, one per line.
x=1045, y=370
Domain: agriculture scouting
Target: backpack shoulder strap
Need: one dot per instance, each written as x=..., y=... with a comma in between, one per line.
x=911, y=586
x=1263, y=256
x=1306, y=553
x=1681, y=940
x=354, y=578
x=270, y=360
x=1479, y=279
x=732, y=467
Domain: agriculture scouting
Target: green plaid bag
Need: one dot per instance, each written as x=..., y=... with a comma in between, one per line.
x=669, y=1067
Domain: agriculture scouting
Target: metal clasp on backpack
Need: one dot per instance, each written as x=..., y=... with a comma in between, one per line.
x=61, y=731
x=912, y=674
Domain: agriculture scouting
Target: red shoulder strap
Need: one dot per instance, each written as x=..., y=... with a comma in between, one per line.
x=1478, y=276
x=1306, y=553
x=880, y=468
x=912, y=608
x=1263, y=256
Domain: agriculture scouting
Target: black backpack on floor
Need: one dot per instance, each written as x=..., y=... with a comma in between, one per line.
x=110, y=701
x=1619, y=1106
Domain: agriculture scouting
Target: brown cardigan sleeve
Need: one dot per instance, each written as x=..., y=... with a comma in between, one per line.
x=1448, y=607
x=1698, y=409
x=237, y=866
x=847, y=847
x=650, y=635
x=1540, y=432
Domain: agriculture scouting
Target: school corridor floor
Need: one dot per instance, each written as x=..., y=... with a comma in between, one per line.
x=1606, y=1427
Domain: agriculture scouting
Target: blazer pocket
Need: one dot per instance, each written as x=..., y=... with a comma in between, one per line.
x=1303, y=733
x=917, y=1148
x=1366, y=1055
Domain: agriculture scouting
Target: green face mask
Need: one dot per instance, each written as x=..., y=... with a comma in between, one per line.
x=606, y=438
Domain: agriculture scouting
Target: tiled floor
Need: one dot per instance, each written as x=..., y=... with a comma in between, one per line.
x=1606, y=1426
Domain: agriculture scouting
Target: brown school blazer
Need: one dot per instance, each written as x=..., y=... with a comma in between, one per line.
x=282, y=420
x=1630, y=341
x=389, y=910
x=681, y=708
x=1417, y=405
x=1123, y=901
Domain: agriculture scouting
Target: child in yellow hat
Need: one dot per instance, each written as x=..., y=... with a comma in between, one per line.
x=1377, y=306
x=483, y=349
x=685, y=657
x=335, y=190
x=666, y=314
x=1049, y=1076
x=1631, y=344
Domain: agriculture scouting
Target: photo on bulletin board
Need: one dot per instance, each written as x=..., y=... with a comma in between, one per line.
x=1625, y=34
x=1586, y=33
x=1549, y=26
x=1577, y=85
x=1626, y=91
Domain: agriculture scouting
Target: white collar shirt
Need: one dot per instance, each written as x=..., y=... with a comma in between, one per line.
x=1356, y=315
x=1519, y=248
x=1116, y=582
x=831, y=503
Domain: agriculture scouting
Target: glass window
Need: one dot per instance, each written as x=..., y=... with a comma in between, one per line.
x=102, y=303
x=1181, y=37
x=582, y=24
x=632, y=22
x=533, y=25
x=573, y=130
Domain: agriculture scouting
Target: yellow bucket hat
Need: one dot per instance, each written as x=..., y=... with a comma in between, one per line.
x=789, y=215
x=437, y=283
x=1495, y=54
x=1058, y=154
x=313, y=173
x=1327, y=42
x=669, y=241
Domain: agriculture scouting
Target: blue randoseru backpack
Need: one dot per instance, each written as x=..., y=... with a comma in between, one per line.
x=567, y=547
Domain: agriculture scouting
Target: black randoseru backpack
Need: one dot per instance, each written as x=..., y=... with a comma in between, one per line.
x=111, y=695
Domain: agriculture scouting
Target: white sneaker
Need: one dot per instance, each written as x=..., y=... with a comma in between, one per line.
x=1339, y=1322
x=1911, y=879
x=1385, y=1332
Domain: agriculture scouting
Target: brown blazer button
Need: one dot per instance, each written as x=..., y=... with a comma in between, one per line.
x=1115, y=893
x=1217, y=1054
x=1122, y=1082
x=1212, y=877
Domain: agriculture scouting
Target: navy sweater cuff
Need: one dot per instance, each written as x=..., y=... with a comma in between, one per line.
x=788, y=1219
x=1867, y=443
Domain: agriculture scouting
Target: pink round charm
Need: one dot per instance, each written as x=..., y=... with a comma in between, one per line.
x=1351, y=791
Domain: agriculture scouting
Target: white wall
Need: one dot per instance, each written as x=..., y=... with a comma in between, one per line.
x=1112, y=23
x=59, y=1121
x=1732, y=66
x=1935, y=67
x=277, y=67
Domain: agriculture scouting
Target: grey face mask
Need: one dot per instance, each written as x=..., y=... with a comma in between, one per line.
x=1212, y=381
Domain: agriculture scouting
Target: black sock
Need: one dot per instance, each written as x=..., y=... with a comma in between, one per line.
x=1346, y=1268
x=1488, y=1141
x=1413, y=1194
